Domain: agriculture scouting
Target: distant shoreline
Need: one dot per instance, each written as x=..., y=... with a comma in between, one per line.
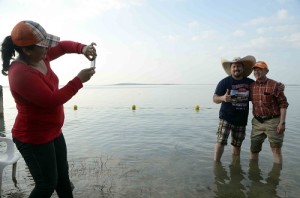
x=155, y=84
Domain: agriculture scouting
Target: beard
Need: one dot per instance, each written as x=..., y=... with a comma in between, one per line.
x=237, y=74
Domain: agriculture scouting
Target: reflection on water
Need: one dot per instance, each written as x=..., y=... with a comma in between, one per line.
x=2, y=126
x=236, y=183
x=260, y=187
x=229, y=185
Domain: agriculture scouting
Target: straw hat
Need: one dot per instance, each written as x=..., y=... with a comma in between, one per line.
x=247, y=61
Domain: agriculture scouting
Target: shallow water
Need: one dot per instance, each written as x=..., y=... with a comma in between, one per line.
x=162, y=149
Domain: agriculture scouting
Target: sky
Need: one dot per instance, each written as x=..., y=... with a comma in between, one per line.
x=166, y=41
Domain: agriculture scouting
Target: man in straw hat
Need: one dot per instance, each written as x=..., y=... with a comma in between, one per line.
x=234, y=93
x=269, y=111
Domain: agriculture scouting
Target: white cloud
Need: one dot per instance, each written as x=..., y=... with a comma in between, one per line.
x=209, y=34
x=279, y=28
x=193, y=24
x=239, y=33
x=293, y=39
x=258, y=21
x=280, y=15
x=205, y=35
x=221, y=48
x=284, y=1
x=171, y=37
x=101, y=5
x=267, y=43
x=259, y=43
x=73, y=10
x=195, y=38
x=277, y=25
x=261, y=30
x=64, y=14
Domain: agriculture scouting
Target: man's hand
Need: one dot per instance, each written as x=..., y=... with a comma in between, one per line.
x=226, y=96
x=281, y=127
x=281, y=87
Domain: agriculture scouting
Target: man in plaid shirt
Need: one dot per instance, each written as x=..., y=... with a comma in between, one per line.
x=269, y=111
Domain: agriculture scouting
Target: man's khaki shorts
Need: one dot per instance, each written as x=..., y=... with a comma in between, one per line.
x=260, y=131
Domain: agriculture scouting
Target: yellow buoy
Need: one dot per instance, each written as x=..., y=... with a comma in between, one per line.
x=197, y=108
x=133, y=107
x=75, y=107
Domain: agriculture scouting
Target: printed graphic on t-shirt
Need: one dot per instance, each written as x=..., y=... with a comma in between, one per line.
x=240, y=96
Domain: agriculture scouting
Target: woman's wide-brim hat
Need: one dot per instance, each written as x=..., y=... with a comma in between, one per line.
x=247, y=61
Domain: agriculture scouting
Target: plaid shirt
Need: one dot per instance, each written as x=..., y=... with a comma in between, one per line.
x=267, y=100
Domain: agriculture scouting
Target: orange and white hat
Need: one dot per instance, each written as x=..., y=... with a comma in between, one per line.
x=27, y=33
x=261, y=64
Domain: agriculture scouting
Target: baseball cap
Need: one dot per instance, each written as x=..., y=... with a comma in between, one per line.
x=27, y=33
x=261, y=64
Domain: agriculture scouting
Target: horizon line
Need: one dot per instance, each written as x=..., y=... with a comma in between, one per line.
x=124, y=84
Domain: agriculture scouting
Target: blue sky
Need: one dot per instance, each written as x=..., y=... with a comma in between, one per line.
x=166, y=41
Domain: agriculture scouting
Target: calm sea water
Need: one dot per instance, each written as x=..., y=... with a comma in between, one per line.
x=162, y=149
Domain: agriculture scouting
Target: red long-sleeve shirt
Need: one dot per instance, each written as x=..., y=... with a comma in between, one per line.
x=39, y=100
x=267, y=98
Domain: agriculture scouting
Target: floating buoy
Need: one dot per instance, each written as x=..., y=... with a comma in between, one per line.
x=133, y=107
x=197, y=108
x=75, y=107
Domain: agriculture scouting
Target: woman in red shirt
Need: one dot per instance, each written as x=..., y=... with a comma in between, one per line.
x=39, y=100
